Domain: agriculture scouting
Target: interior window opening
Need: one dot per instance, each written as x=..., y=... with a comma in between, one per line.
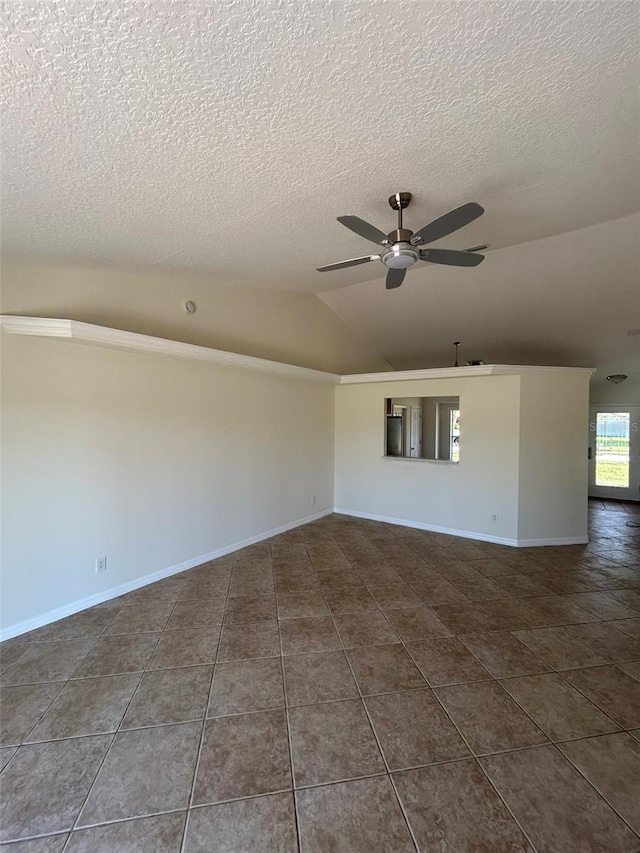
x=423, y=428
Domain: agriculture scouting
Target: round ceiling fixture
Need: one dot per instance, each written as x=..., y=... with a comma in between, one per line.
x=190, y=307
x=400, y=256
x=617, y=378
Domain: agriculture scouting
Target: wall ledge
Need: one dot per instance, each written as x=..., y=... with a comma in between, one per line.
x=102, y=336
x=459, y=373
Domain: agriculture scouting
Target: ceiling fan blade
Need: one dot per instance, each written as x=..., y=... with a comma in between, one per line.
x=351, y=263
x=364, y=229
x=451, y=257
x=395, y=278
x=448, y=223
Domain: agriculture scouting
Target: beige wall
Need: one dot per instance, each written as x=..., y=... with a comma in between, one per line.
x=522, y=458
x=295, y=328
x=151, y=461
x=627, y=393
x=155, y=462
x=458, y=497
x=552, y=494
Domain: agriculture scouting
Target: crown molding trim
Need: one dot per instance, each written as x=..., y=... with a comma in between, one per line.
x=459, y=373
x=88, y=333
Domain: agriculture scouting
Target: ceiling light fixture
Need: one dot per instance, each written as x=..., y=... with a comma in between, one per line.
x=401, y=256
x=617, y=378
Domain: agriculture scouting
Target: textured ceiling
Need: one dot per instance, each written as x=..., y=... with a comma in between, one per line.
x=141, y=131
x=226, y=137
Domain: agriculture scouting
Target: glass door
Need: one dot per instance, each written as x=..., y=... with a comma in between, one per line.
x=614, y=452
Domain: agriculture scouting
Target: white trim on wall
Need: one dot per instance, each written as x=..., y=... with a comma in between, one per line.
x=88, y=333
x=115, y=591
x=458, y=373
x=540, y=543
x=463, y=534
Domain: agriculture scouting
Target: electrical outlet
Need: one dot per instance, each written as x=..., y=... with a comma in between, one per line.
x=101, y=565
x=494, y=516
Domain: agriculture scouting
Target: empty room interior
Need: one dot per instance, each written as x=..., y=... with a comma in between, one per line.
x=320, y=382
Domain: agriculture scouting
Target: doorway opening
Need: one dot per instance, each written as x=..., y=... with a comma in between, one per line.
x=614, y=452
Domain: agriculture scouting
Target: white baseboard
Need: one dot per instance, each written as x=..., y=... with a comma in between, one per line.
x=432, y=528
x=562, y=540
x=466, y=534
x=115, y=591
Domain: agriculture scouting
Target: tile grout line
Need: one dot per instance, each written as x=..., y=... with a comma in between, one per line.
x=115, y=822
x=373, y=731
x=142, y=673
x=67, y=681
x=118, y=730
x=427, y=686
x=474, y=757
x=107, y=752
x=84, y=802
x=551, y=742
x=472, y=754
x=562, y=674
x=489, y=678
x=196, y=766
x=51, y=681
x=285, y=697
x=25, y=740
x=599, y=793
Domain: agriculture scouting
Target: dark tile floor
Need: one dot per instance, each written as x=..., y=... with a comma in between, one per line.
x=348, y=686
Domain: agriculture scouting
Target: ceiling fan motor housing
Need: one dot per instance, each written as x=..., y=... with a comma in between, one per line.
x=399, y=256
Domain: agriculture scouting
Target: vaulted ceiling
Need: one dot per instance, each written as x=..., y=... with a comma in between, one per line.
x=568, y=300
x=226, y=137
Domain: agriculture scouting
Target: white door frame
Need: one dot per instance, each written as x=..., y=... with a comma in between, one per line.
x=632, y=493
x=415, y=432
x=443, y=428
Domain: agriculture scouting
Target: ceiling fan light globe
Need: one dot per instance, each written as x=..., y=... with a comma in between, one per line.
x=400, y=256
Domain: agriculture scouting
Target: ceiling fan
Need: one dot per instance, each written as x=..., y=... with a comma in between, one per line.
x=402, y=248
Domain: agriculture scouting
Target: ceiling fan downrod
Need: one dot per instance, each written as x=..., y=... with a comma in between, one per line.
x=398, y=202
